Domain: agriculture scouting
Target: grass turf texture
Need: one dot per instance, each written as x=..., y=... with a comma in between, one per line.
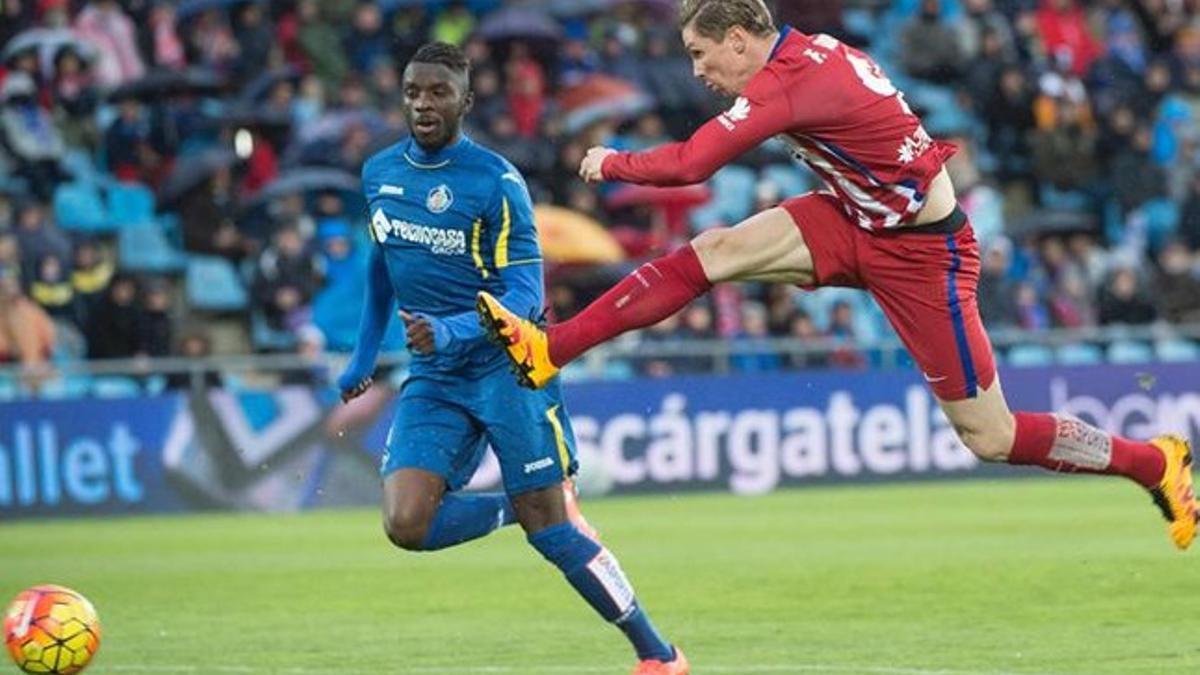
x=1067, y=575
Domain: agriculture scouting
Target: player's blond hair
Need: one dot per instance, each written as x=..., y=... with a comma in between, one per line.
x=713, y=18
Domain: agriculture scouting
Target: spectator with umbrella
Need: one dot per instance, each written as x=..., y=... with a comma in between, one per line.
x=105, y=24
x=29, y=135
x=129, y=144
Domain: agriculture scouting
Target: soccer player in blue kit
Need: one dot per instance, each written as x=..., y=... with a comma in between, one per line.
x=449, y=218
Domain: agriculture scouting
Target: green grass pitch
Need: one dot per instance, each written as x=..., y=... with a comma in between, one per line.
x=1070, y=575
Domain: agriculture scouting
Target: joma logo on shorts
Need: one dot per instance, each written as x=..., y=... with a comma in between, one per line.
x=543, y=463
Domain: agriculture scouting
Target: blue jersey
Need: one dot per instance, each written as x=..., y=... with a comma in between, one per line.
x=446, y=225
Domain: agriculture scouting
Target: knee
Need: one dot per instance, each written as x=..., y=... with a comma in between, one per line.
x=406, y=529
x=716, y=243
x=989, y=444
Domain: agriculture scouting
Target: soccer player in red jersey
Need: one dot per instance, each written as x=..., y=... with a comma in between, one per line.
x=889, y=223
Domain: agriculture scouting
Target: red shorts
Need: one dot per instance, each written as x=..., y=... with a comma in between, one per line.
x=924, y=282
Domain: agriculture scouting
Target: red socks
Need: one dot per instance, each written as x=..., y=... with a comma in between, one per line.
x=1068, y=445
x=653, y=292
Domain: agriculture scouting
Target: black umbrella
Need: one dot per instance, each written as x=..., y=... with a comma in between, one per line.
x=572, y=8
x=519, y=23
x=164, y=83
x=393, y=5
x=47, y=43
x=261, y=86
x=189, y=8
x=244, y=117
x=319, y=140
x=191, y=172
x=305, y=180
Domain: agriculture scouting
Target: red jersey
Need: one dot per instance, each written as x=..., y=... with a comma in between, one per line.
x=840, y=114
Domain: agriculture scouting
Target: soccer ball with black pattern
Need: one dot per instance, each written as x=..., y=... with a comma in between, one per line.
x=52, y=630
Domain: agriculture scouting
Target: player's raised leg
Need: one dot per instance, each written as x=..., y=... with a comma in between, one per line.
x=925, y=282
x=766, y=247
x=1068, y=445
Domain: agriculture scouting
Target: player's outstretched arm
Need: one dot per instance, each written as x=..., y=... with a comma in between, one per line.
x=762, y=112
x=376, y=311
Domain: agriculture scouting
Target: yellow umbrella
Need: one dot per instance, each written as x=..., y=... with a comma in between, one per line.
x=569, y=236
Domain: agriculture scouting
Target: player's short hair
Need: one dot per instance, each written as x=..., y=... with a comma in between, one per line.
x=714, y=18
x=445, y=54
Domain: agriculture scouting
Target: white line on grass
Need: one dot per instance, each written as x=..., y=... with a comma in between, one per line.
x=504, y=670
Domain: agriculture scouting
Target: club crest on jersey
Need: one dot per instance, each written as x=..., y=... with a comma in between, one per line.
x=738, y=113
x=440, y=198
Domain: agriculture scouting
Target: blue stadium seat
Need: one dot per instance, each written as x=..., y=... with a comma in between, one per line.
x=143, y=247
x=1079, y=354
x=65, y=388
x=169, y=222
x=155, y=385
x=1177, y=350
x=130, y=204
x=78, y=207
x=82, y=167
x=1025, y=356
x=213, y=285
x=1161, y=221
x=616, y=369
x=790, y=178
x=733, y=198
x=115, y=386
x=1129, y=352
x=10, y=390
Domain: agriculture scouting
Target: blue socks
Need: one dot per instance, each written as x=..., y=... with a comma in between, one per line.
x=594, y=573
x=463, y=517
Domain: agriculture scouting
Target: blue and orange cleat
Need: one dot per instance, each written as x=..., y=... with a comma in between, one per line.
x=523, y=341
x=677, y=666
x=1174, y=494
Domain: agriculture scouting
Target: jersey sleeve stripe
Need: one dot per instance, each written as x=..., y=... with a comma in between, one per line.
x=525, y=261
x=505, y=229
x=476, y=251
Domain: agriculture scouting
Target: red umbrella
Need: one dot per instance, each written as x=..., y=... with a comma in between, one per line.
x=600, y=97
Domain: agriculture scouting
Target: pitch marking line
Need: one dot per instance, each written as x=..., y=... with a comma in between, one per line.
x=504, y=670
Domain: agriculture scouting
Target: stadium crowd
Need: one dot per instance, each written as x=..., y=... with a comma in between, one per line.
x=181, y=177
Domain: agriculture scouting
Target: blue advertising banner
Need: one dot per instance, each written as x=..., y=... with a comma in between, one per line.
x=85, y=456
x=296, y=448
x=750, y=434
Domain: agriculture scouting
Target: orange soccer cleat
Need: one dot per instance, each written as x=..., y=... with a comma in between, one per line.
x=677, y=666
x=523, y=341
x=1174, y=493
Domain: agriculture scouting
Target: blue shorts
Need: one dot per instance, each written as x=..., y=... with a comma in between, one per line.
x=444, y=426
